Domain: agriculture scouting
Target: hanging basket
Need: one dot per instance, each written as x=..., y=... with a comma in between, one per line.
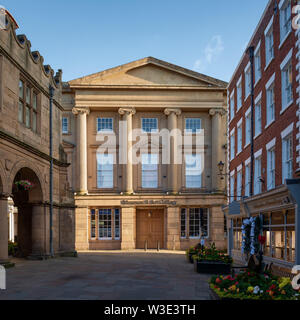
x=24, y=185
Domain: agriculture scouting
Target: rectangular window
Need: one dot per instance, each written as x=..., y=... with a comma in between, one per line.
x=287, y=93
x=287, y=158
x=28, y=95
x=258, y=118
x=270, y=104
x=247, y=180
x=269, y=46
x=248, y=128
x=239, y=184
x=239, y=95
x=105, y=220
x=65, y=125
x=27, y=117
x=105, y=171
x=240, y=138
x=21, y=89
x=232, y=188
x=257, y=62
x=93, y=223
x=149, y=125
x=198, y=222
x=285, y=19
x=150, y=171
x=247, y=82
x=21, y=112
x=257, y=176
x=193, y=171
x=104, y=124
x=232, y=106
x=117, y=224
x=232, y=146
x=271, y=169
x=183, y=223
x=193, y=125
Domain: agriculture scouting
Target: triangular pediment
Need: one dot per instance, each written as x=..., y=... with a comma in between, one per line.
x=148, y=72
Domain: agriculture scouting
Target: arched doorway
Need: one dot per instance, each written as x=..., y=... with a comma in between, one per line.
x=28, y=198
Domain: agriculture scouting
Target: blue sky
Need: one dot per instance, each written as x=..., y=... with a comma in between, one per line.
x=84, y=37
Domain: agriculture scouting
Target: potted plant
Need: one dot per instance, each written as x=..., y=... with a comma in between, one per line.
x=194, y=250
x=212, y=261
x=24, y=185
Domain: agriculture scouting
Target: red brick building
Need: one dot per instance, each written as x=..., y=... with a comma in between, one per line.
x=263, y=100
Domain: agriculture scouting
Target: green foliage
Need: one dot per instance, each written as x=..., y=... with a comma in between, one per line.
x=12, y=248
x=252, y=285
x=212, y=254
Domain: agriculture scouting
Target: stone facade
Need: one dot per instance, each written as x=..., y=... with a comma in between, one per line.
x=147, y=88
x=24, y=150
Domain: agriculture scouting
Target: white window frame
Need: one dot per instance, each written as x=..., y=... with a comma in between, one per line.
x=269, y=35
x=287, y=134
x=104, y=130
x=239, y=90
x=240, y=136
x=232, y=105
x=232, y=144
x=208, y=222
x=152, y=131
x=247, y=177
x=232, y=185
x=257, y=64
x=284, y=66
x=257, y=173
x=239, y=182
x=283, y=22
x=154, y=160
x=270, y=85
x=197, y=159
x=247, y=78
x=258, y=116
x=248, y=130
x=111, y=219
x=271, y=165
x=99, y=158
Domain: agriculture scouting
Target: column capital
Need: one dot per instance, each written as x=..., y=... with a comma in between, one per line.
x=81, y=110
x=169, y=111
x=127, y=110
x=213, y=112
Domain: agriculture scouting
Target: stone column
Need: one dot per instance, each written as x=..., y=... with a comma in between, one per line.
x=82, y=146
x=38, y=230
x=127, y=114
x=216, y=227
x=11, y=210
x=173, y=228
x=3, y=228
x=128, y=228
x=173, y=167
x=218, y=154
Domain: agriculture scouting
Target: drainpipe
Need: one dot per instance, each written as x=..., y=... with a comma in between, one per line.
x=51, y=94
x=250, y=52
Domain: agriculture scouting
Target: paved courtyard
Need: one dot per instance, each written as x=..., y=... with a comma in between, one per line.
x=107, y=276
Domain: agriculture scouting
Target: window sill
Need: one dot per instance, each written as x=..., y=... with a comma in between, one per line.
x=257, y=81
x=257, y=135
x=247, y=97
x=286, y=107
x=284, y=39
x=269, y=124
x=238, y=153
x=246, y=145
x=266, y=67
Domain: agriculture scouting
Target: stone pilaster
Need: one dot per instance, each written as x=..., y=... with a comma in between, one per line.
x=173, y=167
x=128, y=228
x=216, y=226
x=218, y=153
x=127, y=114
x=38, y=230
x=81, y=228
x=173, y=228
x=3, y=228
x=82, y=146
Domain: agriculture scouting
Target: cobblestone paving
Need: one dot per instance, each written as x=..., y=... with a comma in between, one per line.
x=107, y=276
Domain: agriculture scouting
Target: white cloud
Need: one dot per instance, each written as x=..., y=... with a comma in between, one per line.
x=211, y=52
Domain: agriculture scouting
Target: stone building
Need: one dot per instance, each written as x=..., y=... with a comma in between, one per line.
x=126, y=204
x=24, y=152
x=274, y=194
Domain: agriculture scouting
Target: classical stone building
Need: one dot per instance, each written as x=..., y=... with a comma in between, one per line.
x=126, y=204
x=24, y=152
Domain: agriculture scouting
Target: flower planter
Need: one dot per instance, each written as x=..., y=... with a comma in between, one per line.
x=212, y=267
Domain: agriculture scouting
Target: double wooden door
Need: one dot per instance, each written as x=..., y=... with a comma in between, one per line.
x=150, y=228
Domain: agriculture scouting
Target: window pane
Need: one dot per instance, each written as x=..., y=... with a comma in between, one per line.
x=27, y=117
x=105, y=171
x=21, y=112
x=28, y=98
x=198, y=220
x=183, y=223
x=149, y=124
x=193, y=171
x=65, y=125
x=149, y=170
x=34, y=101
x=193, y=125
x=117, y=224
x=93, y=223
x=105, y=124
x=21, y=89
x=105, y=224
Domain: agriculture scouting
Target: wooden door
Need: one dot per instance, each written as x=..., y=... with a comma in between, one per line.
x=150, y=228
